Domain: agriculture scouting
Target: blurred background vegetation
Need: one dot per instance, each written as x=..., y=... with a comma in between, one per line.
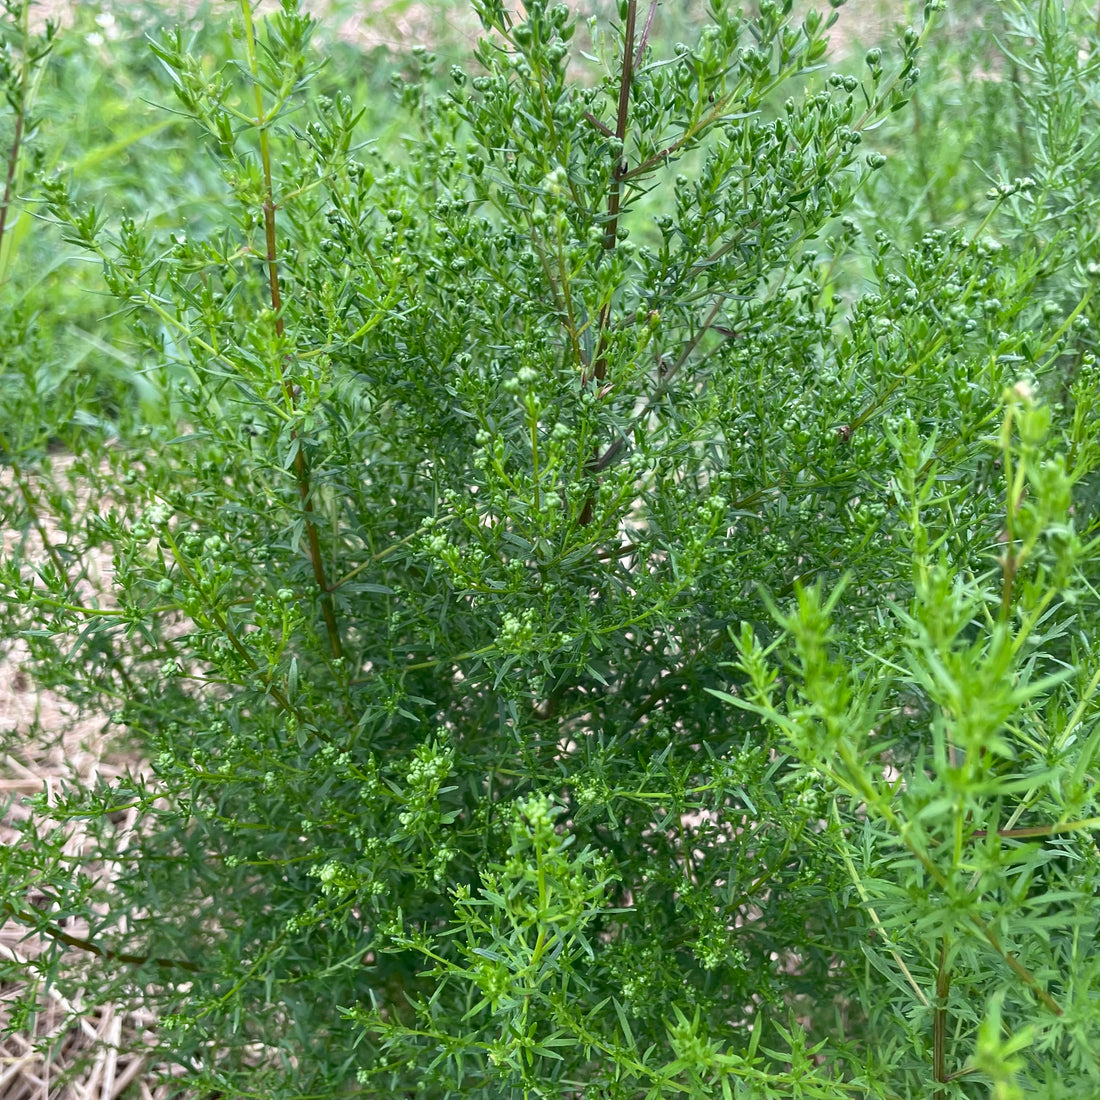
x=105, y=118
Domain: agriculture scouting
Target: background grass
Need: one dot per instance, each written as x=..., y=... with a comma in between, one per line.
x=108, y=124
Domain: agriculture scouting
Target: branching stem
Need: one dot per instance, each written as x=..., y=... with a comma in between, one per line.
x=59, y=935
x=302, y=472
x=939, y=1023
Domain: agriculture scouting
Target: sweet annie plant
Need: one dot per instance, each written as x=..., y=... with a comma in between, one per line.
x=600, y=624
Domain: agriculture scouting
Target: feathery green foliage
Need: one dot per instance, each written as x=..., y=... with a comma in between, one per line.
x=605, y=586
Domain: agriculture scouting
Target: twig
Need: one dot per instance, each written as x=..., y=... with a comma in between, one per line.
x=59, y=935
x=598, y=369
x=939, y=1024
x=301, y=462
x=640, y=54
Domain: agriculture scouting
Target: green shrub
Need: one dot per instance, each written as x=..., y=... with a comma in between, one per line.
x=585, y=643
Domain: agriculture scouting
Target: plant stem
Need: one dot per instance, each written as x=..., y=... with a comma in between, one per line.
x=59, y=935
x=618, y=172
x=1042, y=830
x=1011, y=560
x=621, y=119
x=20, y=109
x=13, y=158
x=939, y=1023
x=301, y=461
x=640, y=53
x=598, y=370
x=854, y=780
x=30, y=502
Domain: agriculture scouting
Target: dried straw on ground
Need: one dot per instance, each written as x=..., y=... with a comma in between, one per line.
x=69, y=1050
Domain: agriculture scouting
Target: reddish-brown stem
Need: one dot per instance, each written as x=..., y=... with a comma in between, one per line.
x=273, y=273
x=1015, y=965
x=628, y=67
x=708, y=322
x=301, y=463
x=1008, y=565
x=939, y=1024
x=223, y=624
x=59, y=935
x=605, y=130
x=598, y=370
x=9, y=183
x=618, y=169
x=663, y=154
x=640, y=52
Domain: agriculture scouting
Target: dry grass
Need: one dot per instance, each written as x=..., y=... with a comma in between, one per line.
x=71, y=1050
